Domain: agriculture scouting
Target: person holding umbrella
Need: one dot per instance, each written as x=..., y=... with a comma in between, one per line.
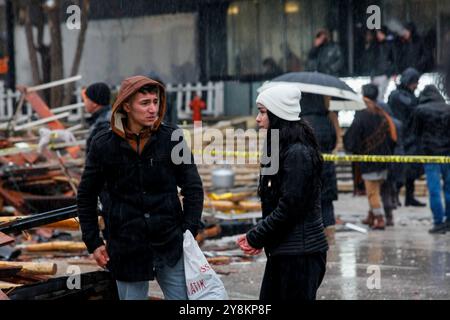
x=315, y=110
x=291, y=231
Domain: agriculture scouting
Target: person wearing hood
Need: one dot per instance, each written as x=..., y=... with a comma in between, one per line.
x=291, y=230
x=372, y=132
x=403, y=102
x=431, y=124
x=315, y=111
x=146, y=222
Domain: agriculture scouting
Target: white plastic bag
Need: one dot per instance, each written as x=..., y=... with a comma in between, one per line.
x=201, y=280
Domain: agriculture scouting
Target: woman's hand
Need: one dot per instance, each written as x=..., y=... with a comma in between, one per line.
x=245, y=246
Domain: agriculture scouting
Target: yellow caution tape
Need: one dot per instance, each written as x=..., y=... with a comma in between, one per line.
x=224, y=196
x=393, y=158
x=345, y=158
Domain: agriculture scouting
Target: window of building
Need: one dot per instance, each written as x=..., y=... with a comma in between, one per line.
x=431, y=18
x=272, y=36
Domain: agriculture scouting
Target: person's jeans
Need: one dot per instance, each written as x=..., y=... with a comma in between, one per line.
x=434, y=173
x=172, y=281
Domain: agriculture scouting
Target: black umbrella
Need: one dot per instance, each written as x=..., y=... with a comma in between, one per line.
x=319, y=83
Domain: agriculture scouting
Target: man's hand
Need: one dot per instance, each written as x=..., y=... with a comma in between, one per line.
x=101, y=256
x=245, y=246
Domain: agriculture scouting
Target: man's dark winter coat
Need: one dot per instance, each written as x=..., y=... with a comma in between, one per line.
x=327, y=58
x=146, y=217
x=431, y=123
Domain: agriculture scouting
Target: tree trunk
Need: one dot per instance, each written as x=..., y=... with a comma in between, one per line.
x=79, y=51
x=32, y=53
x=56, y=54
x=44, y=51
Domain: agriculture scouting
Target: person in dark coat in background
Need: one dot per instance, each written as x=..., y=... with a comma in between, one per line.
x=431, y=124
x=372, y=132
x=96, y=99
x=325, y=56
x=316, y=113
x=383, y=64
x=388, y=190
x=410, y=50
x=368, y=57
x=146, y=220
x=271, y=68
x=291, y=230
x=403, y=102
x=396, y=173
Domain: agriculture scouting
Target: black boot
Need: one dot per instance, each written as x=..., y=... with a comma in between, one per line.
x=413, y=202
x=438, y=229
x=409, y=198
x=389, y=217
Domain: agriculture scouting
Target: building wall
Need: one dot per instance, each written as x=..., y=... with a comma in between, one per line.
x=165, y=45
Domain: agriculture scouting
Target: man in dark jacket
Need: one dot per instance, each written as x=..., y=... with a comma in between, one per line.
x=383, y=62
x=409, y=50
x=403, y=102
x=146, y=221
x=431, y=123
x=316, y=113
x=96, y=99
x=326, y=56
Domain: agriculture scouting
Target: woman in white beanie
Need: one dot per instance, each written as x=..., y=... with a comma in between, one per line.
x=291, y=231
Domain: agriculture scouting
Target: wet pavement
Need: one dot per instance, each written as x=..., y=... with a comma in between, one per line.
x=402, y=262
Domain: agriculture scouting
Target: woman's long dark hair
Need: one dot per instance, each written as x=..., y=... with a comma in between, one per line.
x=291, y=132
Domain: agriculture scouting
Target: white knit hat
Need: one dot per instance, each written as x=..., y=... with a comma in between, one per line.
x=283, y=100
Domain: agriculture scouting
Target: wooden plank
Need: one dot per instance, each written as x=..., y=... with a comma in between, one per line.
x=6, y=272
x=72, y=246
x=32, y=268
x=5, y=239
